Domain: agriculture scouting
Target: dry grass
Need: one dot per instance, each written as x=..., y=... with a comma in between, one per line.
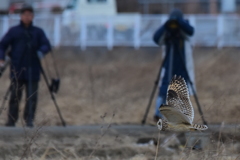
x=98, y=83
x=108, y=147
x=107, y=87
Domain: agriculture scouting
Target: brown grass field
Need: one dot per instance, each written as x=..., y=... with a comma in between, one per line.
x=113, y=87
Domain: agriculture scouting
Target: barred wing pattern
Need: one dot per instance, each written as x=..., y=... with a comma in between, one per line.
x=178, y=97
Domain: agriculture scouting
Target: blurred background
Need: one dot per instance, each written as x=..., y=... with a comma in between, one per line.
x=108, y=61
x=108, y=64
x=110, y=23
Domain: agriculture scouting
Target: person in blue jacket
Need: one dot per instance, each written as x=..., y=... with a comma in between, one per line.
x=27, y=44
x=173, y=34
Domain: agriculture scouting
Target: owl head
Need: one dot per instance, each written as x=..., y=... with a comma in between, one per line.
x=162, y=124
x=159, y=124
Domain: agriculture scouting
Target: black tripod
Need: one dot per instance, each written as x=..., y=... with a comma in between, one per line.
x=169, y=77
x=51, y=93
x=153, y=93
x=51, y=88
x=2, y=69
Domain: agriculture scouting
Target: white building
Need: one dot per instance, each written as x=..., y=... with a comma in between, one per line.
x=91, y=7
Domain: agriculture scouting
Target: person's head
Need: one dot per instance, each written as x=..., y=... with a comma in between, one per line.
x=26, y=15
x=176, y=14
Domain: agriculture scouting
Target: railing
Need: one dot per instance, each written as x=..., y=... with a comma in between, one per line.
x=128, y=29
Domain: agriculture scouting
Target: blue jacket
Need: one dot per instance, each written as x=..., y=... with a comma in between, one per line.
x=173, y=39
x=24, y=43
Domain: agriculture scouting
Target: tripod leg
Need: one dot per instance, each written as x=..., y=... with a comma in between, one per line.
x=149, y=103
x=58, y=110
x=153, y=93
x=29, y=104
x=52, y=95
x=194, y=92
x=198, y=104
x=5, y=99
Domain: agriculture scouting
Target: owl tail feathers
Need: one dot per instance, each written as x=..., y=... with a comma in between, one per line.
x=198, y=127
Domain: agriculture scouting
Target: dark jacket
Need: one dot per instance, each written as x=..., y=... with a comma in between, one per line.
x=173, y=39
x=24, y=43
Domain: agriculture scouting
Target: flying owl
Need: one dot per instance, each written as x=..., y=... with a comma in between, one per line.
x=178, y=111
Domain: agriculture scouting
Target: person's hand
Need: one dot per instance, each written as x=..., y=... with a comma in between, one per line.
x=2, y=63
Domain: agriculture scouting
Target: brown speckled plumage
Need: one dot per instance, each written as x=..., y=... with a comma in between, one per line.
x=178, y=111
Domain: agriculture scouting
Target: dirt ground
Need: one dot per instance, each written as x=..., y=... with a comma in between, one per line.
x=124, y=142
x=100, y=86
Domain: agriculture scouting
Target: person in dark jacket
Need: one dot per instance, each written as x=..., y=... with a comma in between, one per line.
x=28, y=45
x=173, y=35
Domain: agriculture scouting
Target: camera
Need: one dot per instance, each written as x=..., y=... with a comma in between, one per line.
x=172, y=24
x=173, y=29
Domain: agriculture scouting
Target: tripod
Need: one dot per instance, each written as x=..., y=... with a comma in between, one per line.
x=49, y=89
x=30, y=116
x=153, y=92
x=51, y=93
x=169, y=76
x=2, y=69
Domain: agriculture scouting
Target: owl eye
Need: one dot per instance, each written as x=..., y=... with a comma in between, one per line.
x=159, y=124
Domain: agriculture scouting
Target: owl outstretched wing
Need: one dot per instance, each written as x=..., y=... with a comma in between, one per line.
x=178, y=97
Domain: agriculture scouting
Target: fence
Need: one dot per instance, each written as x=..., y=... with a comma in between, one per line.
x=128, y=29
